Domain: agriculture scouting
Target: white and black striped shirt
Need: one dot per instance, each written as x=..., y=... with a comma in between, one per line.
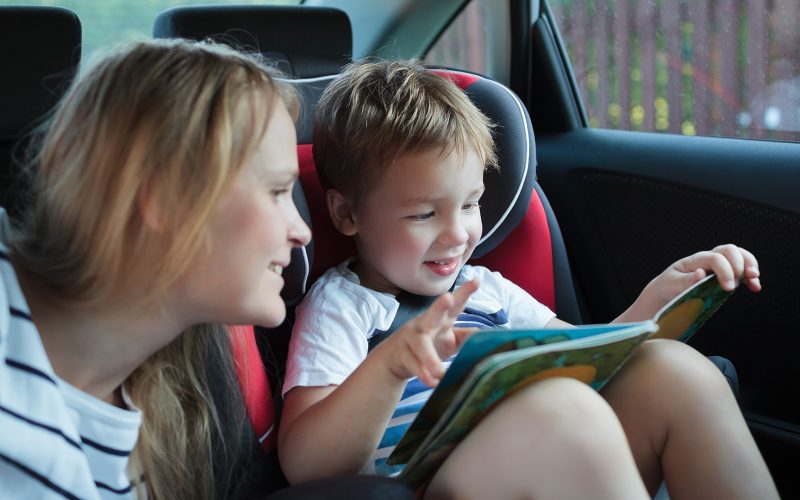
x=55, y=440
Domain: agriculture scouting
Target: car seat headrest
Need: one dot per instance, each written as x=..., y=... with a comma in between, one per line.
x=509, y=188
x=36, y=70
x=305, y=42
x=41, y=50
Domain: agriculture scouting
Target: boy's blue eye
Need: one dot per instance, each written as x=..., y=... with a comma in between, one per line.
x=422, y=217
x=468, y=207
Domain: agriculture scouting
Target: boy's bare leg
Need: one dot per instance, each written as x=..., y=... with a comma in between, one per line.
x=683, y=424
x=554, y=439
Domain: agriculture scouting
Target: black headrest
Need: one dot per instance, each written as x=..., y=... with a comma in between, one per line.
x=509, y=189
x=305, y=41
x=40, y=49
x=39, y=54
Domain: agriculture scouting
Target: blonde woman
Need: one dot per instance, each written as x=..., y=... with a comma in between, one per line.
x=163, y=205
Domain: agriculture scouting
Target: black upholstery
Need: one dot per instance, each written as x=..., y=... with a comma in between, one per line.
x=510, y=188
x=39, y=56
x=306, y=42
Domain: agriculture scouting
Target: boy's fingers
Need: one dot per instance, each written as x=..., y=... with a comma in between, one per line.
x=713, y=261
x=753, y=284
x=735, y=258
x=431, y=321
x=745, y=266
x=427, y=368
x=751, y=269
x=696, y=276
x=462, y=334
x=462, y=294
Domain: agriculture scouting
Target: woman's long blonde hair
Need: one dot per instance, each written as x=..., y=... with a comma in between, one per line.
x=159, y=129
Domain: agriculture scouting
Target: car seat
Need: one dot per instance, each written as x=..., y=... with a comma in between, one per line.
x=41, y=50
x=521, y=237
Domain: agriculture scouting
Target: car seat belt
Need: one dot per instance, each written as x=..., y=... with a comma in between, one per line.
x=411, y=305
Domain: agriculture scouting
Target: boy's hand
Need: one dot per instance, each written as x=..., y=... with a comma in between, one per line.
x=730, y=263
x=418, y=347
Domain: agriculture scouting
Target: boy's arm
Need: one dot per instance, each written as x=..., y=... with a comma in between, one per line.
x=334, y=430
x=728, y=262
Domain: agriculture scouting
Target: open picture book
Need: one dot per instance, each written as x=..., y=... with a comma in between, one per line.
x=494, y=363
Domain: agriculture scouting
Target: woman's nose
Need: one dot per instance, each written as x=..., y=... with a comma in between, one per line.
x=299, y=232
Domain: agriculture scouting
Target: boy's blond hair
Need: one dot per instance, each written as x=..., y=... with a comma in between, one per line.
x=376, y=111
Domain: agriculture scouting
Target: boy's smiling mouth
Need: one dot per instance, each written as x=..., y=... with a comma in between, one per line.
x=443, y=267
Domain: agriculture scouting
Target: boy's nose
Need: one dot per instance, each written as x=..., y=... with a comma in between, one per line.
x=454, y=234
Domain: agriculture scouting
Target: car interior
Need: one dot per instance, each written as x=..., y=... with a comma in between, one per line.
x=580, y=217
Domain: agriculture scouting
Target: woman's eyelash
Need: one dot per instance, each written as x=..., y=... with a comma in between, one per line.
x=281, y=190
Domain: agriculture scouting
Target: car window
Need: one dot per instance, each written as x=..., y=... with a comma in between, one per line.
x=463, y=44
x=694, y=67
x=106, y=22
x=476, y=40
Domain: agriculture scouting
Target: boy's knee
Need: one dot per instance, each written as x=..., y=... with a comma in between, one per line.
x=561, y=403
x=674, y=364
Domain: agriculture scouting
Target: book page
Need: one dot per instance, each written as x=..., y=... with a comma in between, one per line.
x=592, y=360
x=479, y=346
x=681, y=317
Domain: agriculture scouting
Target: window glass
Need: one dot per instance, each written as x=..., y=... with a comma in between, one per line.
x=695, y=67
x=463, y=44
x=107, y=22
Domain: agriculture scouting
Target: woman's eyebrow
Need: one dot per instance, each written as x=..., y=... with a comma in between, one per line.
x=279, y=175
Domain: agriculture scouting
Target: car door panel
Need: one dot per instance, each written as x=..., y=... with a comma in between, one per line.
x=631, y=203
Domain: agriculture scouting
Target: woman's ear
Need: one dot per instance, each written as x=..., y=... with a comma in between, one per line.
x=150, y=208
x=342, y=214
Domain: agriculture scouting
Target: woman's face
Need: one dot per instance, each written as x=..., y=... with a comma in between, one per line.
x=238, y=279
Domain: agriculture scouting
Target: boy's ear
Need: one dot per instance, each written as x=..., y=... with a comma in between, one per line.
x=341, y=210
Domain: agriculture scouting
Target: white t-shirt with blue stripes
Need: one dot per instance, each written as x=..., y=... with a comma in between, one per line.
x=55, y=440
x=335, y=321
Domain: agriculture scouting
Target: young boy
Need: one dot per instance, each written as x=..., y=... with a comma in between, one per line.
x=403, y=152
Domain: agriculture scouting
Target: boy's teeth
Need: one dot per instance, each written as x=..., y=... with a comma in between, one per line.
x=276, y=268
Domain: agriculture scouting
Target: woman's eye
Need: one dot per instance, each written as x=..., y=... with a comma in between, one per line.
x=281, y=191
x=422, y=217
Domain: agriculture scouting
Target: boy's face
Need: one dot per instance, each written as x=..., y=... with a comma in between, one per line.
x=421, y=222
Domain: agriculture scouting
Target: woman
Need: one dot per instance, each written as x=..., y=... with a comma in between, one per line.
x=162, y=205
